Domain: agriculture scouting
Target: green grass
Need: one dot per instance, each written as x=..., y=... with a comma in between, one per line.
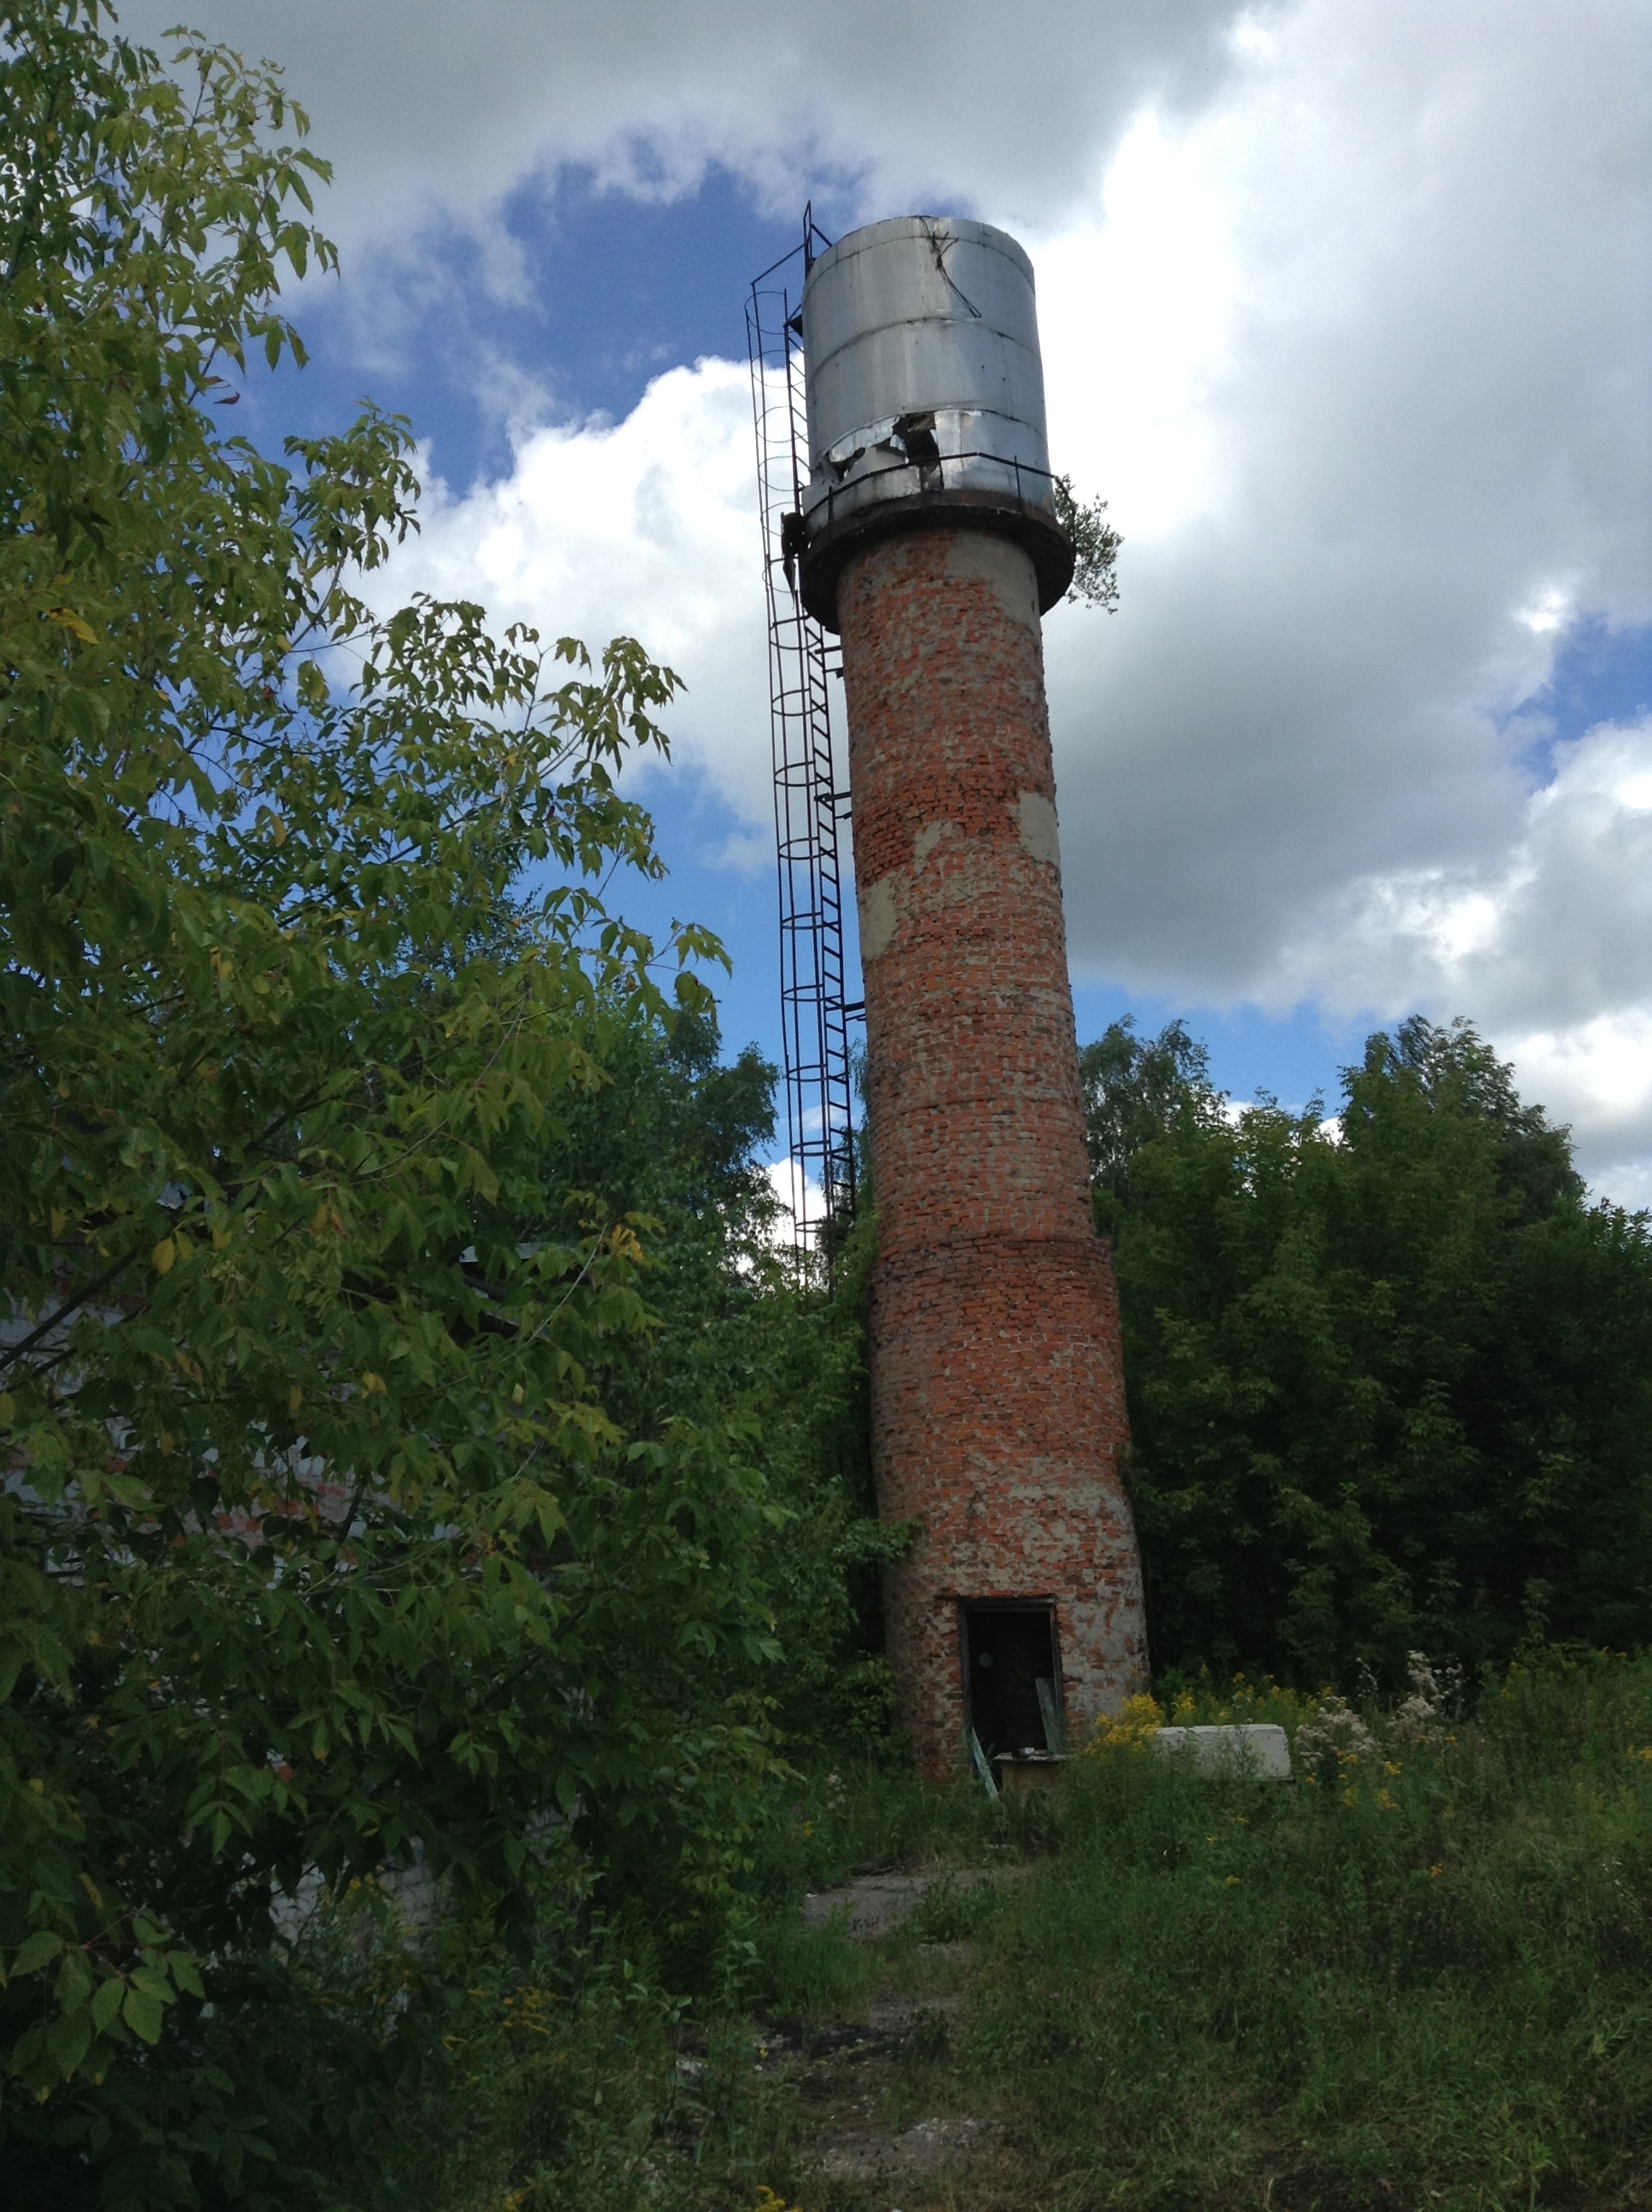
x=1424, y=1979
x=871, y=1812
x=1216, y=1993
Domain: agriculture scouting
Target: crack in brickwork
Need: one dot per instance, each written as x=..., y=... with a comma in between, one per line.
x=997, y=1376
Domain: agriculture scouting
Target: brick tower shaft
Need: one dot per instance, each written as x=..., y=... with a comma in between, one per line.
x=929, y=535
x=997, y=1381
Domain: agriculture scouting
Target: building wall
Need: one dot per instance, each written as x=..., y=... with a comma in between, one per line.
x=997, y=1383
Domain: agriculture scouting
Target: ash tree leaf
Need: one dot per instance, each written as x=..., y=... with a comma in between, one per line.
x=294, y=1122
x=69, y=2039
x=38, y=1951
x=143, y=2014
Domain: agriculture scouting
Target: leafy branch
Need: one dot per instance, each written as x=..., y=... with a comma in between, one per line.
x=1095, y=548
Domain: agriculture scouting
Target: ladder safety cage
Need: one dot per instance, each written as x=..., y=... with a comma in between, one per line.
x=812, y=801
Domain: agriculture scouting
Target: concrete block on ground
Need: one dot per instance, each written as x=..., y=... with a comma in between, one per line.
x=1258, y=1749
x=1041, y=1770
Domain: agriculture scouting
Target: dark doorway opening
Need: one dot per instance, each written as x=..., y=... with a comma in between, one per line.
x=1011, y=1677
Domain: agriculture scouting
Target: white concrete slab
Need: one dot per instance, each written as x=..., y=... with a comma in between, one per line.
x=1259, y=1748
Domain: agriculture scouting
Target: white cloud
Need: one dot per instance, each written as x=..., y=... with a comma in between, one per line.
x=1424, y=417
x=1135, y=300
x=647, y=527
x=1598, y=1076
x=801, y=1199
x=1559, y=928
x=1548, y=938
x=442, y=106
x=1413, y=447
x=1346, y=308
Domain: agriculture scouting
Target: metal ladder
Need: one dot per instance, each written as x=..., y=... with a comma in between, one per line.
x=812, y=801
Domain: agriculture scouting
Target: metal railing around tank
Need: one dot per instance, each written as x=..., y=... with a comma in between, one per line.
x=930, y=472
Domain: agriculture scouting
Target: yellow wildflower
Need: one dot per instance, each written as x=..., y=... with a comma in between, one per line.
x=1132, y=1727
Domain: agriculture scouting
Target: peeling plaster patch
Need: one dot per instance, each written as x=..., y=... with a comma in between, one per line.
x=928, y=839
x=1035, y=825
x=978, y=557
x=879, y=916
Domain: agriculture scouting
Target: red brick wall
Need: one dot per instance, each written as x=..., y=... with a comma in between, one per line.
x=998, y=1404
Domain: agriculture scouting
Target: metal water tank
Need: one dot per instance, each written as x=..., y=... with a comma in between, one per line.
x=926, y=397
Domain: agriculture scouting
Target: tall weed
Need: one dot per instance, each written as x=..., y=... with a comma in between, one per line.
x=1420, y=1976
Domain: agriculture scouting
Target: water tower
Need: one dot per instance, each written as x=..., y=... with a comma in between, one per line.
x=928, y=540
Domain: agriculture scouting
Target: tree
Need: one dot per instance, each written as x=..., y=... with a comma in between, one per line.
x=322, y=1545
x=1389, y=1378
x=738, y=1328
x=1134, y=1092
x=1096, y=546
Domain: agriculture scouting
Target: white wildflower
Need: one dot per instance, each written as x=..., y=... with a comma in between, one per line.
x=1434, y=1695
x=1333, y=1737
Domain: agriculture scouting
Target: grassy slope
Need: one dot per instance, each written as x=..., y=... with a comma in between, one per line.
x=1425, y=1978
x=1424, y=1987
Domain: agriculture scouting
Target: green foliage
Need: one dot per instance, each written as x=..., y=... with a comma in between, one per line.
x=1390, y=1379
x=1096, y=547
x=1423, y=1984
x=837, y=1697
x=583, y=2088
x=1136, y=1090
x=741, y=1329
x=867, y=1813
x=337, y=1528
x=1417, y=1977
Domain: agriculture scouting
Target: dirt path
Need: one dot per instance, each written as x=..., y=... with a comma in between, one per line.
x=878, y=2102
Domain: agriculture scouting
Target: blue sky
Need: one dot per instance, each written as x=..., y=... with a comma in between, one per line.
x=622, y=290
x=1346, y=309
x=616, y=290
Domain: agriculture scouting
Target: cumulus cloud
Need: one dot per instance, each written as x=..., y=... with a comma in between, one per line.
x=802, y=1203
x=1346, y=307
x=431, y=108
x=1555, y=927
x=1420, y=420
x=1405, y=447
x=649, y=527
x=1548, y=937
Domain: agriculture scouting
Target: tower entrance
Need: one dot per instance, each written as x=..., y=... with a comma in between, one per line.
x=1012, y=1676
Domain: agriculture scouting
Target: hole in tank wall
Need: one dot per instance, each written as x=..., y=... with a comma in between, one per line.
x=1012, y=1665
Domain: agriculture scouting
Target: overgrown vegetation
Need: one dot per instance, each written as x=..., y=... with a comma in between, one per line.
x=362, y=1510
x=438, y=1569
x=1416, y=1978
x=1390, y=1376
x=1096, y=546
